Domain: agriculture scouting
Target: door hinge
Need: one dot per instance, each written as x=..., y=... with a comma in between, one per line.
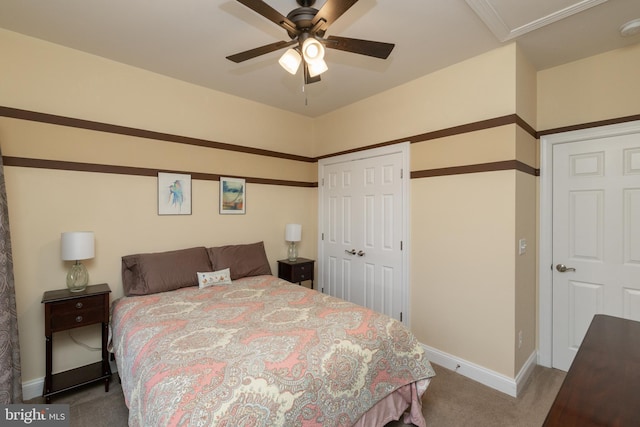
x=401, y=316
x=322, y=182
x=400, y=244
x=401, y=173
x=322, y=236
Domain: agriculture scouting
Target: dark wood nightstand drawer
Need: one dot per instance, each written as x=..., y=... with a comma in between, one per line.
x=75, y=313
x=296, y=271
x=302, y=272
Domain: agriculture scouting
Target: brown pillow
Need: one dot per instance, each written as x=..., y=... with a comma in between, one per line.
x=242, y=260
x=150, y=273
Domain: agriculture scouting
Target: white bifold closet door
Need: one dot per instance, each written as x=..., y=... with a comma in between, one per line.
x=362, y=222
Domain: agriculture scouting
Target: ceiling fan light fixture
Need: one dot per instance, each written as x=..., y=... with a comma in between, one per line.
x=317, y=67
x=290, y=61
x=312, y=50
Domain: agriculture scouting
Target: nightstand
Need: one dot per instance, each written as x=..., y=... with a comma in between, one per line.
x=296, y=271
x=64, y=310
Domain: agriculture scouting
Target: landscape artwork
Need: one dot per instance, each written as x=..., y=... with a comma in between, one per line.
x=232, y=195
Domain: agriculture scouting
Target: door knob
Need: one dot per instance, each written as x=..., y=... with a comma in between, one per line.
x=563, y=268
x=360, y=253
x=351, y=252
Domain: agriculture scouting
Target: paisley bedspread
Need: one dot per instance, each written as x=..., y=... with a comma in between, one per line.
x=258, y=352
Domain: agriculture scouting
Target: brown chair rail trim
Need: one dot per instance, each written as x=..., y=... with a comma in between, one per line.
x=129, y=170
x=33, y=116
x=589, y=125
x=452, y=131
x=481, y=167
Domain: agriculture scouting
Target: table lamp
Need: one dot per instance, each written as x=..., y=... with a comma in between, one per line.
x=76, y=246
x=292, y=234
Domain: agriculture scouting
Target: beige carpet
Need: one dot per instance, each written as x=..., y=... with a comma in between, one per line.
x=450, y=401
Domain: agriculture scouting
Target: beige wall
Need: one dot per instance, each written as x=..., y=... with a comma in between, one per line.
x=600, y=87
x=45, y=77
x=525, y=302
x=479, y=88
x=462, y=288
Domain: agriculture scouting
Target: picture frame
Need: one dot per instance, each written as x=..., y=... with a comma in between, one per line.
x=233, y=196
x=174, y=194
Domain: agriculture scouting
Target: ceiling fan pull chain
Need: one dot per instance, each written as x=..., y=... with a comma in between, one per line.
x=304, y=90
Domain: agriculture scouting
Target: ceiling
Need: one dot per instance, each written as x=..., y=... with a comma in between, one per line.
x=189, y=40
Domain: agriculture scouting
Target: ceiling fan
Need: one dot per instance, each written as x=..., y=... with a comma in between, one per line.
x=306, y=26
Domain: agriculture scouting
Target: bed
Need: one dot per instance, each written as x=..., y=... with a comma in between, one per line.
x=254, y=350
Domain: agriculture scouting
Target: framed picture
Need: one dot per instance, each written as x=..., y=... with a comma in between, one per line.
x=174, y=194
x=233, y=196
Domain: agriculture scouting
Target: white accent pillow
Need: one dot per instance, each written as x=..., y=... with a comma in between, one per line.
x=220, y=277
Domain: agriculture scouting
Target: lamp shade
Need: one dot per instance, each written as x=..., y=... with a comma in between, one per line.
x=317, y=67
x=312, y=50
x=293, y=232
x=290, y=61
x=77, y=245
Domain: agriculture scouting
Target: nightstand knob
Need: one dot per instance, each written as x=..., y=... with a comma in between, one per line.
x=79, y=319
x=78, y=305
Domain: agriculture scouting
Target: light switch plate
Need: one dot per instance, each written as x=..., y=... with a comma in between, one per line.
x=522, y=246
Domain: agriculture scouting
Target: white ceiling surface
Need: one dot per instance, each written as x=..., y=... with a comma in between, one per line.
x=189, y=39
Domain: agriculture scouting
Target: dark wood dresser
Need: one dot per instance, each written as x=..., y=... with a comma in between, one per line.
x=602, y=386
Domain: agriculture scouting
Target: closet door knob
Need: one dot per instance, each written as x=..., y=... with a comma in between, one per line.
x=563, y=268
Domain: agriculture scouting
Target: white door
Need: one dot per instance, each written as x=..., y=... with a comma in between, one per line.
x=596, y=236
x=362, y=253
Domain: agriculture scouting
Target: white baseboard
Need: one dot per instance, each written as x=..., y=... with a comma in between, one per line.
x=481, y=374
x=32, y=389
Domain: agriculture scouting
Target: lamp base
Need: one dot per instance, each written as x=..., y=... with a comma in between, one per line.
x=293, y=252
x=77, y=277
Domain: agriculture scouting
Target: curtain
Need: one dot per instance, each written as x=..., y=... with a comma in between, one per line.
x=10, y=372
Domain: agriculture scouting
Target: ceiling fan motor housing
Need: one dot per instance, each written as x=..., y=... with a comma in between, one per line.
x=303, y=18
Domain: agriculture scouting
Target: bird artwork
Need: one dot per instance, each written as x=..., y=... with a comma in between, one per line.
x=176, y=196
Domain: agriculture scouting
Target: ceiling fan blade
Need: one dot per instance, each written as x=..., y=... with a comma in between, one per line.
x=271, y=14
x=307, y=78
x=252, y=53
x=363, y=47
x=332, y=10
